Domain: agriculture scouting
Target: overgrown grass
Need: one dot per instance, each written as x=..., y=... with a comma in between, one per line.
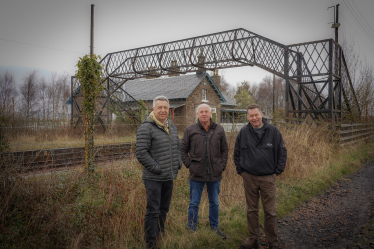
x=68, y=137
x=106, y=209
x=24, y=138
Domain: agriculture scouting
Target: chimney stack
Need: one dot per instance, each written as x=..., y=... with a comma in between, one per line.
x=174, y=67
x=216, y=79
x=200, y=62
x=152, y=73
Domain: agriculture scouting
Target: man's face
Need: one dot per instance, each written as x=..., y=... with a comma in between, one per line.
x=161, y=110
x=204, y=114
x=255, y=117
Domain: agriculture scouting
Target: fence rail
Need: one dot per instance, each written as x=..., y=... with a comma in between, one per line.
x=353, y=133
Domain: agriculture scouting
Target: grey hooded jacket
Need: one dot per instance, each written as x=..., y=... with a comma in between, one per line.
x=158, y=151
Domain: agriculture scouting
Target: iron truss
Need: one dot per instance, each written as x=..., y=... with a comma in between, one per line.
x=112, y=99
x=315, y=73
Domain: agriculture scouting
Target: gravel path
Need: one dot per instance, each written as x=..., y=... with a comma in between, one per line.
x=340, y=217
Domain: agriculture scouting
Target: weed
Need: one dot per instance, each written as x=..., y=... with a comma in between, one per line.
x=106, y=209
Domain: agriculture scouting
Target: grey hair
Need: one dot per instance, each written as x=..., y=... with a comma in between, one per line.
x=160, y=98
x=254, y=106
x=202, y=105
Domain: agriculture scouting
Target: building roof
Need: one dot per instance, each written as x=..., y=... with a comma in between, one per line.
x=229, y=101
x=174, y=88
x=177, y=87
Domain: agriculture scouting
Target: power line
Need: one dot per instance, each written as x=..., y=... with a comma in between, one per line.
x=367, y=24
x=361, y=22
x=29, y=44
x=357, y=19
x=354, y=30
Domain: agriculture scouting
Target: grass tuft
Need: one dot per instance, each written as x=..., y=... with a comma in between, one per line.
x=106, y=209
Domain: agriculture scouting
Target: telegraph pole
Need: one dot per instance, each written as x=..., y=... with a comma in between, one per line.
x=335, y=105
x=92, y=30
x=336, y=24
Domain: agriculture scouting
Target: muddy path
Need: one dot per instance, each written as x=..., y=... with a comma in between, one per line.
x=340, y=217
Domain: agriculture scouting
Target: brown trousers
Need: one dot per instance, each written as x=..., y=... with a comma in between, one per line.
x=264, y=186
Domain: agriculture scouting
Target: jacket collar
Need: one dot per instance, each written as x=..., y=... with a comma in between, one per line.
x=212, y=124
x=158, y=124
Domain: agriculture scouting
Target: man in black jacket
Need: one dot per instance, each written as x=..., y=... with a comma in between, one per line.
x=158, y=150
x=260, y=156
x=204, y=151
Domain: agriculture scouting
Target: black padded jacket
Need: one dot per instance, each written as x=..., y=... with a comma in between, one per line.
x=158, y=151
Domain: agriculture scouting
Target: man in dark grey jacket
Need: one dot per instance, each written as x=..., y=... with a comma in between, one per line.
x=204, y=151
x=260, y=156
x=158, y=150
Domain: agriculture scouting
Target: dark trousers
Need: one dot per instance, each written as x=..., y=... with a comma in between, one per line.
x=264, y=187
x=158, y=202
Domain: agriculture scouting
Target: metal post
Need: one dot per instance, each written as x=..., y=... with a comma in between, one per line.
x=331, y=86
x=337, y=21
x=108, y=103
x=299, y=90
x=337, y=61
x=287, y=110
x=340, y=86
x=273, y=93
x=92, y=30
x=72, y=99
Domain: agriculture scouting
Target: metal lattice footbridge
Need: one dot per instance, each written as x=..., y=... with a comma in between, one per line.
x=317, y=79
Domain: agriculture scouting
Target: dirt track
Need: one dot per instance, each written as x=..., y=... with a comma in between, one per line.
x=340, y=217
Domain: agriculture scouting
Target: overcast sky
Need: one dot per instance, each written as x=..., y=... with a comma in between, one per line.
x=51, y=35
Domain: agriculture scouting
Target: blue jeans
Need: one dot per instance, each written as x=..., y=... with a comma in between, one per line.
x=196, y=189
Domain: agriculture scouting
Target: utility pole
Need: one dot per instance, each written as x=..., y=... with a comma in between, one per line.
x=92, y=30
x=336, y=24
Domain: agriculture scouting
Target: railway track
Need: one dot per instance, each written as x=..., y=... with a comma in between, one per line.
x=31, y=160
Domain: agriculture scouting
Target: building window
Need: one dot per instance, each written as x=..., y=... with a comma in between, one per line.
x=204, y=94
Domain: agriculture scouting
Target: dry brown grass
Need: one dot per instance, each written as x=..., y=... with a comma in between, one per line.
x=64, y=137
x=309, y=150
x=106, y=209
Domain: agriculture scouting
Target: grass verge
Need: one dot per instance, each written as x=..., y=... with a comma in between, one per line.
x=106, y=209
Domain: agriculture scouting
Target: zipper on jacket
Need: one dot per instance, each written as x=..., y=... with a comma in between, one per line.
x=171, y=156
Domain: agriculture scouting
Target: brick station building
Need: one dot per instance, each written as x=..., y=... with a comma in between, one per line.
x=185, y=93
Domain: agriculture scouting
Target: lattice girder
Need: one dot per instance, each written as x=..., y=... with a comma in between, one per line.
x=313, y=71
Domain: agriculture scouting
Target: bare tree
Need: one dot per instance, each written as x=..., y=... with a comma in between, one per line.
x=43, y=86
x=58, y=92
x=65, y=93
x=263, y=93
x=226, y=87
x=29, y=93
x=52, y=94
x=279, y=93
x=365, y=90
x=224, y=84
x=8, y=93
x=362, y=79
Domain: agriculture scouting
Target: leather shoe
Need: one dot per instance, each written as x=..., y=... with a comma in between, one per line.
x=250, y=244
